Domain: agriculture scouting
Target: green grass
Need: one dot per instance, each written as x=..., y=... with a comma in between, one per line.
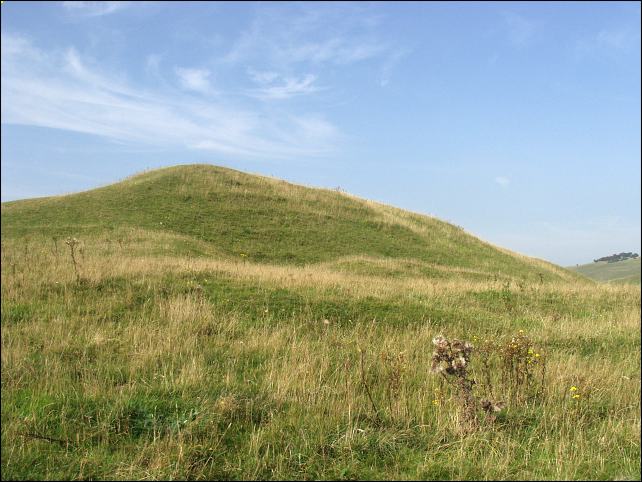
x=627, y=271
x=176, y=358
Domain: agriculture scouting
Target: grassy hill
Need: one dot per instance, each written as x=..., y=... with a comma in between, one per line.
x=210, y=324
x=270, y=221
x=627, y=271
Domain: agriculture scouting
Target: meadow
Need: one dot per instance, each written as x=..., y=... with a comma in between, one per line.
x=245, y=328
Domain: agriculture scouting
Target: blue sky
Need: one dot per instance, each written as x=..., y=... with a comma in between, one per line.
x=519, y=122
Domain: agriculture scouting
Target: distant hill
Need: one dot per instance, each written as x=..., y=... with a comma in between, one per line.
x=626, y=271
x=271, y=221
x=617, y=257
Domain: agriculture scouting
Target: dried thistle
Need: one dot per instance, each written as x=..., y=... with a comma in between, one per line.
x=452, y=360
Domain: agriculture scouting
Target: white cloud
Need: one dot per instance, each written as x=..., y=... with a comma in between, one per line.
x=290, y=87
x=61, y=90
x=390, y=63
x=335, y=50
x=194, y=79
x=338, y=35
x=94, y=9
x=502, y=181
x=262, y=77
x=291, y=48
x=274, y=86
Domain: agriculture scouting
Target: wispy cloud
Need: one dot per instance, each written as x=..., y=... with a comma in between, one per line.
x=64, y=91
x=292, y=50
x=285, y=88
x=609, y=43
x=262, y=77
x=284, y=39
x=94, y=9
x=336, y=50
x=520, y=29
x=614, y=39
x=502, y=181
x=196, y=80
x=390, y=63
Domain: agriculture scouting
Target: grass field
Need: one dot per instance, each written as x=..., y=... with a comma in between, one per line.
x=270, y=331
x=627, y=271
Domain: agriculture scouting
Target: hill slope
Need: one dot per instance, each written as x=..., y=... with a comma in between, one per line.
x=627, y=271
x=234, y=214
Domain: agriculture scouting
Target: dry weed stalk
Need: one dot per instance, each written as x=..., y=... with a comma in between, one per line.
x=73, y=243
x=395, y=364
x=55, y=244
x=366, y=387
